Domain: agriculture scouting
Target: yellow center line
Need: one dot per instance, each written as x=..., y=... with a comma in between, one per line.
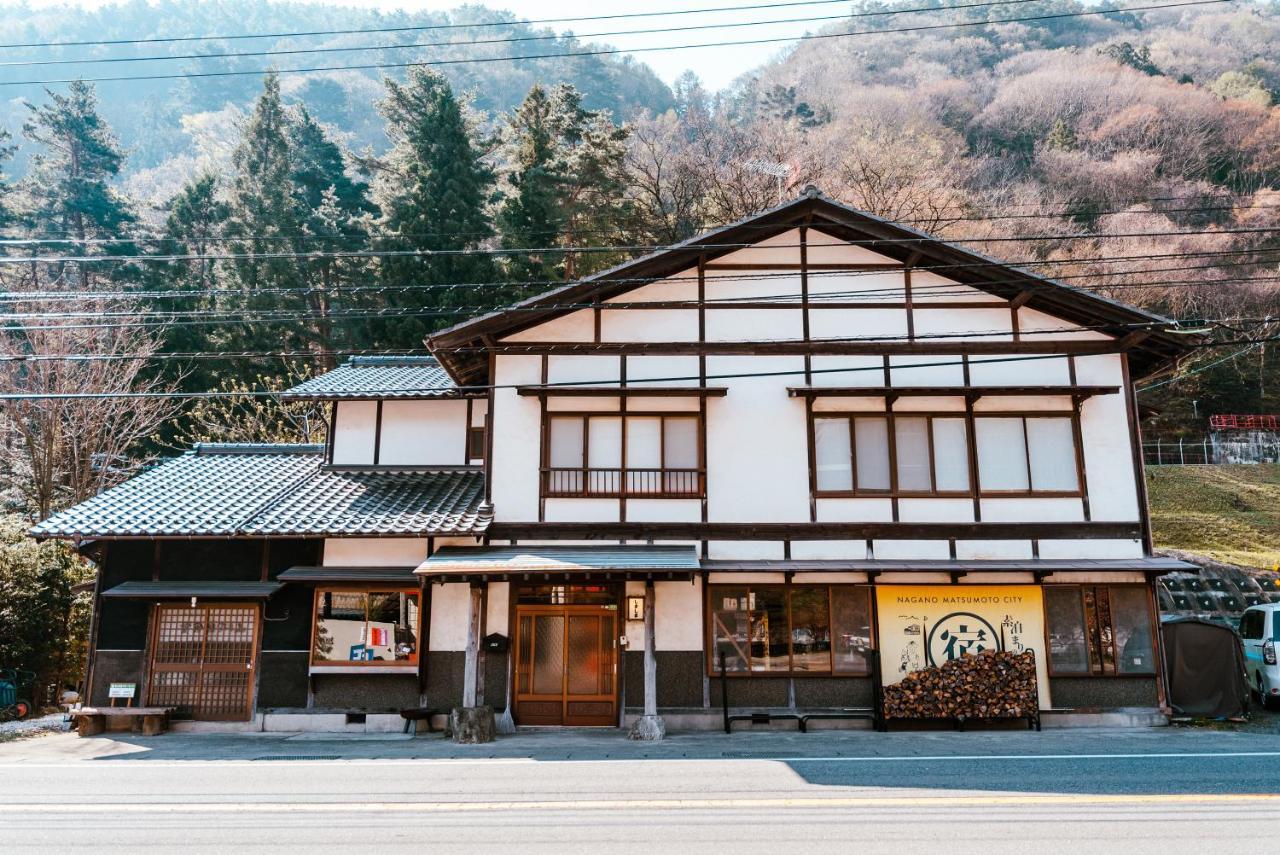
x=654, y=804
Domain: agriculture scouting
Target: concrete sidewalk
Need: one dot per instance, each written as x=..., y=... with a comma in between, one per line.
x=609, y=744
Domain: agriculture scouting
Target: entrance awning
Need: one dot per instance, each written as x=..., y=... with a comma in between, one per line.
x=313, y=575
x=187, y=590
x=538, y=563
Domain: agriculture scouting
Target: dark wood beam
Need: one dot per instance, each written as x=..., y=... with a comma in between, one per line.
x=623, y=391
x=812, y=531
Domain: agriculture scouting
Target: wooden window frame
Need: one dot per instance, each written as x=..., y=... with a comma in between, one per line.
x=699, y=473
x=476, y=440
x=1098, y=669
x=320, y=591
x=709, y=640
x=970, y=421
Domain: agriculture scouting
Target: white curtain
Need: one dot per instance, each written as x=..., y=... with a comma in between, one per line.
x=1053, y=454
x=1002, y=457
x=871, y=442
x=950, y=455
x=831, y=454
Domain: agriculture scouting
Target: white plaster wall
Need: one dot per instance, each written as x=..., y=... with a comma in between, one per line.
x=753, y=325
x=582, y=510
x=735, y=577
x=1030, y=509
x=588, y=370
x=664, y=510
x=750, y=285
x=828, y=550
x=853, y=286
x=423, y=433
x=374, y=551
x=993, y=550
x=479, y=406
x=864, y=404
x=664, y=368
x=1096, y=548
x=1015, y=403
x=857, y=323
x=855, y=510
x=1011, y=370
x=745, y=549
x=1108, y=448
x=1009, y=578
x=497, y=612
x=964, y=324
x=450, y=614
x=828, y=249
x=927, y=286
x=929, y=405
x=830, y=371
x=649, y=325
x=912, y=550
x=681, y=287
x=1054, y=329
x=353, y=437
x=827, y=577
x=935, y=510
x=516, y=439
x=757, y=446
x=575, y=326
x=677, y=615
x=926, y=371
x=913, y=577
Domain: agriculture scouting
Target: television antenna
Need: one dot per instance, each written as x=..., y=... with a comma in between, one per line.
x=771, y=167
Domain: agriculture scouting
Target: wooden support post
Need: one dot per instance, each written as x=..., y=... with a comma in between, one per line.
x=649, y=726
x=471, y=723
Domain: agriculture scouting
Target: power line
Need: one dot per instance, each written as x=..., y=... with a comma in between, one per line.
x=493, y=41
x=419, y=28
x=587, y=249
x=1203, y=368
x=984, y=360
x=701, y=227
x=610, y=50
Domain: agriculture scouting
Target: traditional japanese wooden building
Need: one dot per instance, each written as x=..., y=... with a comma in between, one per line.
x=793, y=444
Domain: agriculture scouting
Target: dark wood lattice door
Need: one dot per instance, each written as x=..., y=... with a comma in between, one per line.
x=202, y=660
x=566, y=665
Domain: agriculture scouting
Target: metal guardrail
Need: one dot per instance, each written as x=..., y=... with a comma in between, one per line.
x=569, y=482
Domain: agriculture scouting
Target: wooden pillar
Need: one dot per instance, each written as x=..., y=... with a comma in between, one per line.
x=471, y=670
x=649, y=726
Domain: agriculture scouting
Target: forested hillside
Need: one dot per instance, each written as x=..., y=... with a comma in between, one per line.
x=218, y=237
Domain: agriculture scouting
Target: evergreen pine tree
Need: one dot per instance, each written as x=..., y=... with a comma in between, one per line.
x=432, y=188
x=564, y=184
x=68, y=184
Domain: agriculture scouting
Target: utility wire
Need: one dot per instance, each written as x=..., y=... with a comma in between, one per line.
x=609, y=51
x=419, y=28
x=494, y=41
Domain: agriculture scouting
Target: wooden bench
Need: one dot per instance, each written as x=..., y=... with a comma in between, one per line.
x=413, y=715
x=91, y=721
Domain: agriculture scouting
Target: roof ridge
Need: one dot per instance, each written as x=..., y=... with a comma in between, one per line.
x=393, y=359
x=256, y=448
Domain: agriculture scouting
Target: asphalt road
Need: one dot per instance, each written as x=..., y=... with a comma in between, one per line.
x=866, y=793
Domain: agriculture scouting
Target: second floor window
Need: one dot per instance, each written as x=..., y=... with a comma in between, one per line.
x=928, y=455
x=608, y=454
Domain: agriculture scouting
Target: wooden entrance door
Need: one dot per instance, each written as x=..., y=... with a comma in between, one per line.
x=566, y=665
x=202, y=660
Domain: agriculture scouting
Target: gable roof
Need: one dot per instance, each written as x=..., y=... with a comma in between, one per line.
x=363, y=378
x=460, y=348
x=246, y=490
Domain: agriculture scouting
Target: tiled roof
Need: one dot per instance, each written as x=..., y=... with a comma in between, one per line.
x=379, y=502
x=369, y=377
x=274, y=490
x=211, y=490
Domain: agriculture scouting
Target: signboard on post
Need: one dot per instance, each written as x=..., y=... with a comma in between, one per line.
x=923, y=626
x=122, y=690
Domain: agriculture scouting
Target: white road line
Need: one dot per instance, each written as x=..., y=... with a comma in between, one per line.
x=121, y=762
x=647, y=804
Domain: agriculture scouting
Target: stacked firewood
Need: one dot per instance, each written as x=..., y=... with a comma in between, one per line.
x=987, y=685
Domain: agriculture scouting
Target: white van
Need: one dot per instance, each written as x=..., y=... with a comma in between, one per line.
x=1260, y=632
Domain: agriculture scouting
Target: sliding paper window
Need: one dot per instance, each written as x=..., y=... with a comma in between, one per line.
x=1021, y=454
x=612, y=455
x=852, y=454
x=355, y=627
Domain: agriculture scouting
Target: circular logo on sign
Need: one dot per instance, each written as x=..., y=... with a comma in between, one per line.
x=959, y=633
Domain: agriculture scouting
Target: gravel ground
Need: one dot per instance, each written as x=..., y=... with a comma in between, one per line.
x=33, y=727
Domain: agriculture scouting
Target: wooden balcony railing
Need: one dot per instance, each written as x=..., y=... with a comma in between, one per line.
x=562, y=482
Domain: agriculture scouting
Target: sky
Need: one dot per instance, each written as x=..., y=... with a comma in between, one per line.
x=718, y=66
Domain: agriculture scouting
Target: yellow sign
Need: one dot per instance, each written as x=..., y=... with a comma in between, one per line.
x=922, y=626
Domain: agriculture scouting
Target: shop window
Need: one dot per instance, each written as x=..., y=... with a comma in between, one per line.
x=365, y=627
x=1099, y=630
x=796, y=629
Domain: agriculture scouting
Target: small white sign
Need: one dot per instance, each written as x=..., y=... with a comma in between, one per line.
x=122, y=690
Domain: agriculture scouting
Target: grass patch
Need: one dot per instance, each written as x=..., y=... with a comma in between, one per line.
x=1228, y=513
